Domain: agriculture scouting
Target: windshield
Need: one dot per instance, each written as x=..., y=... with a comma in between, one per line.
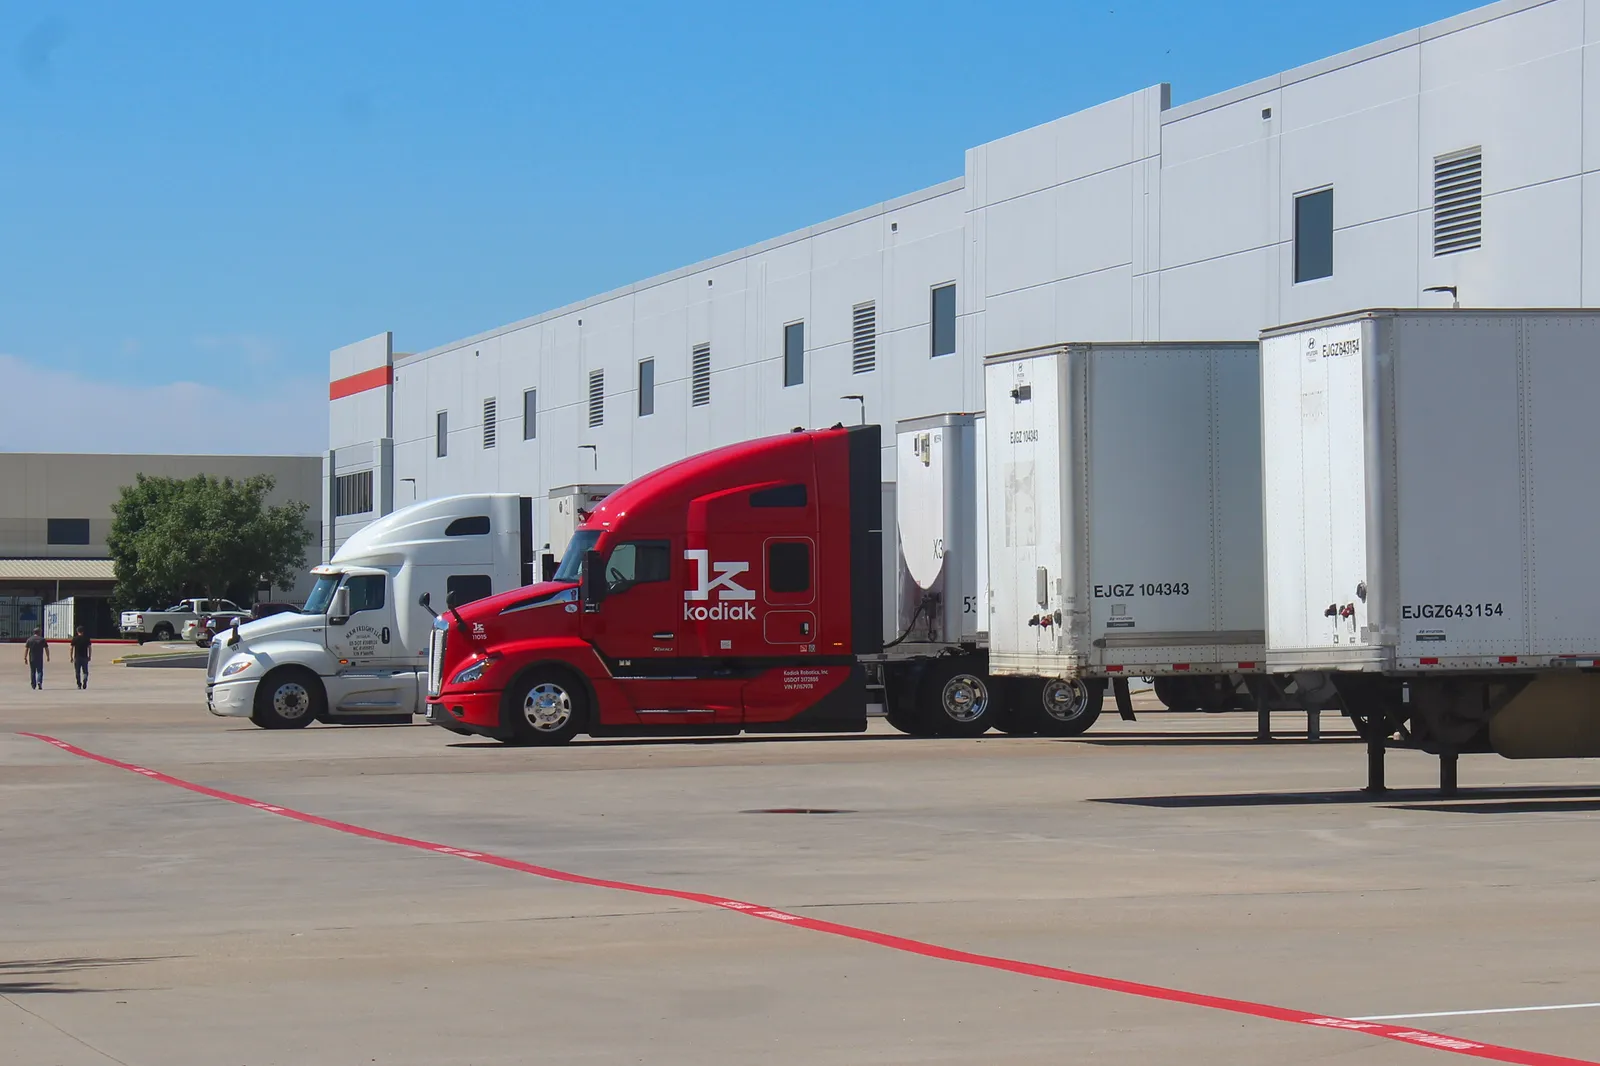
x=321, y=593
x=572, y=562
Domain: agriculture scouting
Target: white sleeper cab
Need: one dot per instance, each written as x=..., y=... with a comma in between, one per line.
x=359, y=649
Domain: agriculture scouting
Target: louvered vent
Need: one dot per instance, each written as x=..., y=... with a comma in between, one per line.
x=488, y=423
x=597, y=398
x=864, y=339
x=700, y=376
x=1458, y=202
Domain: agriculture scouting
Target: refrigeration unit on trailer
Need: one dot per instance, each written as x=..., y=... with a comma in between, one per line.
x=1430, y=526
x=567, y=508
x=1124, y=524
x=358, y=649
x=934, y=671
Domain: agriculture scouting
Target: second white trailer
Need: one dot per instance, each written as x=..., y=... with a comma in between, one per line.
x=1124, y=518
x=1431, y=526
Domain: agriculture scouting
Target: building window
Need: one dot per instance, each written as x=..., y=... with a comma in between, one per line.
x=794, y=354
x=66, y=530
x=352, y=493
x=944, y=320
x=441, y=434
x=700, y=375
x=597, y=398
x=1313, y=236
x=647, y=387
x=1458, y=202
x=863, y=338
x=489, y=420
x=530, y=414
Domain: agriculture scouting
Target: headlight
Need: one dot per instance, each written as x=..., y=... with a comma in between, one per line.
x=238, y=666
x=471, y=673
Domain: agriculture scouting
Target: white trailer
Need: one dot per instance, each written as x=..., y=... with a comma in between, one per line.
x=1430, y=526
x=358, y=651
x=568, y=507
x=1124, y=524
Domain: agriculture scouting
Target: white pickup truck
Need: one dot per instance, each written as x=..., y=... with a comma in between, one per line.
x=167, y=624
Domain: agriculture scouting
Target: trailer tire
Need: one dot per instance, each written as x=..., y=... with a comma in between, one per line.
x=1014, y=720
x=1210, y=693
x=1058, y=707
x=957, y=700
x=546, y=706
x=290, y=697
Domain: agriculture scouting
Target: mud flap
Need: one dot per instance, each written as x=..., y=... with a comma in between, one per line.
x=1119, y=692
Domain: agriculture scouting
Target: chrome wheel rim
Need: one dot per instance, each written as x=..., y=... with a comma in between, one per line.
x=965, y=698
x=547, y=707
x=291, y=700
x=1065, y=701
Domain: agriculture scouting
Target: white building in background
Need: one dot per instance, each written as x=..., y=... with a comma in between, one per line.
x=1454, y=155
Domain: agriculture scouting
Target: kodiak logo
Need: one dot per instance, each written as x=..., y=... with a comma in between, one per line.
x=727, y=589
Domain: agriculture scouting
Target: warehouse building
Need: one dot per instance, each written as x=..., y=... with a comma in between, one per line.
x=1454, y=155
x=55, y=515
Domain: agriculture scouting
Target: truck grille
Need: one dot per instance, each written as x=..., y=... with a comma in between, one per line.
x=436, y=660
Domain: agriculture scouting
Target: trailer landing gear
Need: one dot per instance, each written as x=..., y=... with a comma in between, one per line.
x=1377, y=748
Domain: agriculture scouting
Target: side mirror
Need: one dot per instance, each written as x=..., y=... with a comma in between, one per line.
x=339, y=609
x=425, y=601
x=450, y=601
x=594, y=582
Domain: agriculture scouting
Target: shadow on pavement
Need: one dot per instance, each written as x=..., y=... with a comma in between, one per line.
x=1387, y=799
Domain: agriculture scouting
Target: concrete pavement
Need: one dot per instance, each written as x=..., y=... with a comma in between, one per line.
x=145, y=924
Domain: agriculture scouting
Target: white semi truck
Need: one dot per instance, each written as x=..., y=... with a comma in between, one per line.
x=1430, y=527
x=358, y=650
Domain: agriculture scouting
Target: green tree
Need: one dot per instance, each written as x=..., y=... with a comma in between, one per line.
x=173, y=538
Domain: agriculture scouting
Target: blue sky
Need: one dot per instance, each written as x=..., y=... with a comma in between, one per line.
x=198, y=201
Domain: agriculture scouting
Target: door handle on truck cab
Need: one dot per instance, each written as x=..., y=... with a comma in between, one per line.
x=663, y=636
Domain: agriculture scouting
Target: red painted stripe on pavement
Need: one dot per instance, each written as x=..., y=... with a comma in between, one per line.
x=1414, y=1037
x=376, y=378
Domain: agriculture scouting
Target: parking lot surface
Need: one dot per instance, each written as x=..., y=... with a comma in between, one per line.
x=147, y=923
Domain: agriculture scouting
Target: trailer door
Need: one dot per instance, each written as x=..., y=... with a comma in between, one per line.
x=1026, y=430
x=1313, y=402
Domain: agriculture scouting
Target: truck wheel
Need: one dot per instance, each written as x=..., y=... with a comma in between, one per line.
x=290, y=697
x=957, y=700
x=163, y=632
x=1061, y=708
x=546, y=707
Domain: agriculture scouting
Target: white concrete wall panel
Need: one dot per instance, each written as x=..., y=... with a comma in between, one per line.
x=1126, y=221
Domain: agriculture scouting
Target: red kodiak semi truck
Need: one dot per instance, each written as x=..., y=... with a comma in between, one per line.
x=736, y=590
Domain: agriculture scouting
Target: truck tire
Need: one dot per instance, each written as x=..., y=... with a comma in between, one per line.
x=957, y=700
x=163, y=632
x=1061, y=708
x=290, y=697
x=546, y=707
x=907, y=721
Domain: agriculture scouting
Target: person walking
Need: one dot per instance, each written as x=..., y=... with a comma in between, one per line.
x=36, y=652
x=80, y=657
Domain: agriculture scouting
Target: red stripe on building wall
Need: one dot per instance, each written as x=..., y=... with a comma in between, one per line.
x=376, y=378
